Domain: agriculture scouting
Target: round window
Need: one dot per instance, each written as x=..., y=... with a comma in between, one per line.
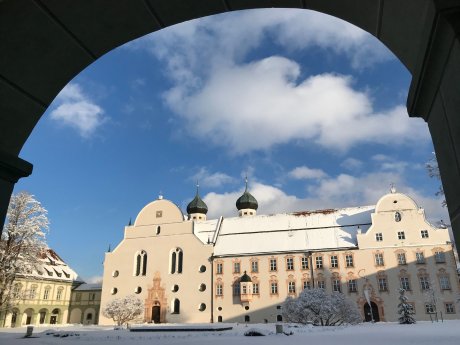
x=202, y=287
x=202, y=307
x=246, y=308
x=219, y=309
x=115, y=273
x=114, y=291
x=138, y=290
x=175, y=288
x=202, y=268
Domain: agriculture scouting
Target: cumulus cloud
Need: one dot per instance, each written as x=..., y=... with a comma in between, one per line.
x=213, y=180
x=306, y=173
x=333, y=192
x=254, y=105
x=75, y=109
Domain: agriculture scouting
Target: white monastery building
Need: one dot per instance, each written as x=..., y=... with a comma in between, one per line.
x=241, y=269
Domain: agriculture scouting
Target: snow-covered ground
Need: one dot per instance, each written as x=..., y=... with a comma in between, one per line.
x=422, y=333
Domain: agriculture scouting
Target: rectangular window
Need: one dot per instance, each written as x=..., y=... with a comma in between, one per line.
x=254, y=266
x=236, y=267
x=33, y=292
x=349, y=260
x=236, y=289
x=304, y=261
x=401, y=235
x=274, y=288
x=78, y=297
x=405, y=284
x=444, y=282
x=450, y=308
x=383, y=286
x=334, y=261
x=336, y=285
x=59, y=294
x=429, y=308
x=255, y=288
x=291, y=287
x=244, y=291
x=219, y=289
x=379, y=259
x=424, y=233
x=92, y=296
x=219, y=268
x=273, y=265
x=289, y=264
x=306, y=284
x=440, y=257
x=352, y=286
x=46, y=294
x=379, y=237
x=402, y=259
x=321, y=284
x=420, y=258
x=319, y=262
x=424, y=283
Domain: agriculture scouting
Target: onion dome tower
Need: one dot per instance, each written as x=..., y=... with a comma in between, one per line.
x=197, y=208
x=246, y=204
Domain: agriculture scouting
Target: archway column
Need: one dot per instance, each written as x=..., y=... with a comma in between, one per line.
x=11, y=170
x=434, y=95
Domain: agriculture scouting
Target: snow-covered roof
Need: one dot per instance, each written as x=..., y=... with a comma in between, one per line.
x=299, y=231
x=54, y=268
x=205, y=230
x=87, y=287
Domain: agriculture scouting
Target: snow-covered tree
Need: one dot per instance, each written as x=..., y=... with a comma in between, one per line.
x=318, y=307
x=405, y=310
x=123, y=310
x=22, y=242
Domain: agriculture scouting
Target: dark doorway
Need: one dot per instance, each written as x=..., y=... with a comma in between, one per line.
x=28, y=320
x=42, y=317
x=279, y=318
x=53, y=319
x=156, y=314
x=14, y=317
x=219, y=318
x=247, y=318
x=368, y=316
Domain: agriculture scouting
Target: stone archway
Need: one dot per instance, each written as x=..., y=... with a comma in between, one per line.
x=156, y=302
x=64, y=37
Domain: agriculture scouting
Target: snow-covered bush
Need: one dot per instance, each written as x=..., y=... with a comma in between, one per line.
x=123, y=310
x=318, y=307
x=405, y=310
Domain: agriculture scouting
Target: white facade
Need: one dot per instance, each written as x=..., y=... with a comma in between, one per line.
x=191, y=270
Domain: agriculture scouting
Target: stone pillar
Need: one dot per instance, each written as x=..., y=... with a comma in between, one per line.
x=11, y=170
x=434, y=95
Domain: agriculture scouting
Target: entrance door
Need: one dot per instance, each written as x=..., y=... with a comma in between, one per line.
x=375, y=312
x=156, y=314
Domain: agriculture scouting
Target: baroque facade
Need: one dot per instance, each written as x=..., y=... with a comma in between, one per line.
x=241, y=269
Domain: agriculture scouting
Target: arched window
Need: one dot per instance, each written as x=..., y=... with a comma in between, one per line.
x=219, y=318
x=173, y=262
x=144, y=263
x=179, y=259
x=176, y=306
x=138, y=264
x=141, y=263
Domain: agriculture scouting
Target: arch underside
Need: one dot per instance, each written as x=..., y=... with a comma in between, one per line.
x=46, y=43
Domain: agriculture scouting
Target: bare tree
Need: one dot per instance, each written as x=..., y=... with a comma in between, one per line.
x=433, y=171
x=318, y=307
x=123, y=310
x=22, y=242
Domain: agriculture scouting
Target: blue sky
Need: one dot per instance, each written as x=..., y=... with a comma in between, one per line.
x=311, y=108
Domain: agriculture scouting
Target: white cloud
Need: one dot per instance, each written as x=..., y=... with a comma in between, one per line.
x=352, y=164
x=94, y=280
x=76, y=110
x=212, y=180
x=306, y=173
x=248, y=106
x=335, y=192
